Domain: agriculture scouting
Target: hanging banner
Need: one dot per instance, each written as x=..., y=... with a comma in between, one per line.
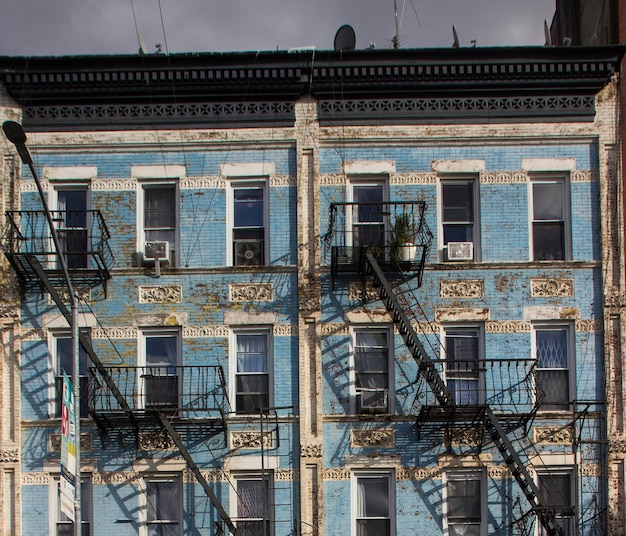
x=68, y=449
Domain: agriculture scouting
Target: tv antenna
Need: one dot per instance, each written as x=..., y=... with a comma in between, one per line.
x=455, y=44
x=345, y=39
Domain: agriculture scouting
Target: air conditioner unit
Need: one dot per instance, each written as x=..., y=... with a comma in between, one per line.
x=373, y=400
x=157, y=249
x=249, y=253
x=460, y=251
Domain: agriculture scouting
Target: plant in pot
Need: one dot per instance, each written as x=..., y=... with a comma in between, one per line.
x=403, y=247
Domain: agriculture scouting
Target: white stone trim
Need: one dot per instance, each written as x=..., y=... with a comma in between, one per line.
x=70, y=173
x=248, y=169
x=548, y=164
x=458, y=166
x=158, y=172
x=368, y=167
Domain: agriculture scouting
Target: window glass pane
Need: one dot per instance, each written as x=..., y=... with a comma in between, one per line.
x=458, y=201
x=248, y=207
x=251, y=498
x=548, y=201
x=363, y=195
x=65, y=361
x=464, y=499
x=160, y=206
x=458, y=233
x=161, y=350
x=252, y=353
x=549, y=241
x=162, y=500
x=465, y=529
x=462, y=349
x=73, y=205
x=551, y=348
x=373, y=496
x=372, y=527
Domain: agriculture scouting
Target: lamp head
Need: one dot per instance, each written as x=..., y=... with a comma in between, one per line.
x=16, y=135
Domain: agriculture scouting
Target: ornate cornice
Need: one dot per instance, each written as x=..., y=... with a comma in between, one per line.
x=251, y=440
x=384, y=438
x=553, y=435
x=462, y=288
x=9, y=455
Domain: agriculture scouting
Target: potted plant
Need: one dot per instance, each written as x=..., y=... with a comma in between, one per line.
x=403, y=247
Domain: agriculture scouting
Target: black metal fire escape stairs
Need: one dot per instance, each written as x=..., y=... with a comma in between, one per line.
x=27, y=244
x=366, y=258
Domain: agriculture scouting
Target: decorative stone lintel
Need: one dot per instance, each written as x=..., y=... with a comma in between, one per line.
x=9, y=455
x=544, y=287
x=373, y=438
x=251, y=292
x=54, y=442
x=462, y=288
x=155, y=441
x=161, y=294
x=251, y=440
x=553, y=435
x=311, y=451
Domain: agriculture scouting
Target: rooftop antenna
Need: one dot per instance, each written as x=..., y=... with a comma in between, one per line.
x=345, y=39
x=396, y=38
x=546, y=33
x=456, y=38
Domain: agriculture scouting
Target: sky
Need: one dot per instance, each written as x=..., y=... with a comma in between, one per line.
x=84, y=27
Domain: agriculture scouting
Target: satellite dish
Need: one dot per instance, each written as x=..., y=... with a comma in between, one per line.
x=345, y=38
x=546, y=33
x=142, y=44
x=456, y=38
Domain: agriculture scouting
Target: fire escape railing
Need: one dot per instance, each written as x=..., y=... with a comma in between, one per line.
x=396, y=233
x=84, y=238
x=191, y=391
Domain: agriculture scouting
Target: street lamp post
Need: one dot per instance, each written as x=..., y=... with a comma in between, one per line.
x=16, y=135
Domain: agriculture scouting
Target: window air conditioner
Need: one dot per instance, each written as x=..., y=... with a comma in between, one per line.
x=373, y=400
x=249, y=253
x=460, y=251
x=157, y=249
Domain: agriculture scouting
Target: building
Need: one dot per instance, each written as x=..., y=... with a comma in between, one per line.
x=320, y=292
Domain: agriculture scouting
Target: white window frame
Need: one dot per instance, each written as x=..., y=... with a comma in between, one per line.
x=143, y=501
x=359, y=474
x=354, y=391
x=142, y=186
x=86, y=503
x=475, y=223
x=365, y=180
x=266, y=477
x=240, y=183
x=55, y=206
x=564, y=181
x=548, y=472
x=464, y=475
x=143, y=367
x=571, y=361
x=479, y=375
x=234, y=374
x=54, y=406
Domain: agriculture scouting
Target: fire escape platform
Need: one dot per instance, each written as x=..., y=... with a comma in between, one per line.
x=29, y=247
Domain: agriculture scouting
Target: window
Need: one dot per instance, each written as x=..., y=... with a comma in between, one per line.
x=368, y=214
x=550, y=225
x=459, y=226
x=249, y=223
x=63, y=526
x=159, y=216
x=372, y=366
x=465, y=503
x=71, y=219
x=163, y=506
x=463, y=364
x=552, y=352
x=254, y=505
x=373, y=500
x=63, y=361
x=159, y=362
x=557, y=494
x=252, y=372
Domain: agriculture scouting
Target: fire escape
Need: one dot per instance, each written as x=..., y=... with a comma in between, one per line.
x=383, y=242
x=177, y=401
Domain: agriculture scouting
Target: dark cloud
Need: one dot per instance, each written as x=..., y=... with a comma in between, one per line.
x=64, y=27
